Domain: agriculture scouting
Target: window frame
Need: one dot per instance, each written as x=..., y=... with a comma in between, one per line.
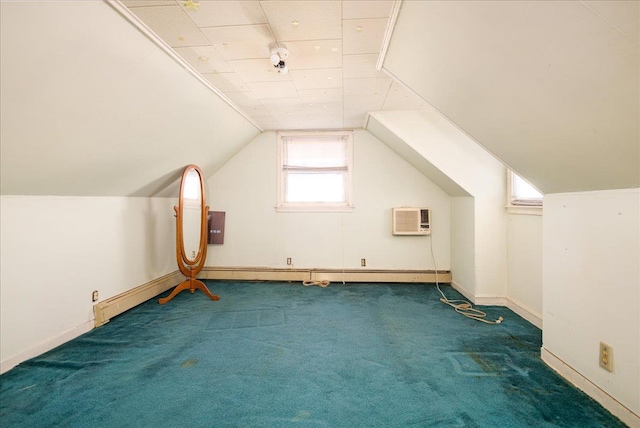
x=521, y=206
x=283, y=206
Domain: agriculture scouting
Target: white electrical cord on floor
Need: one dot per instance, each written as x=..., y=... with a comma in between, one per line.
x=323, y=283
x=461, y=306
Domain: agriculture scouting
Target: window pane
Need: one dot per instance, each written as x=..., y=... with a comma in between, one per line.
x=523, y=190
x=314, y=187
x=315, y=153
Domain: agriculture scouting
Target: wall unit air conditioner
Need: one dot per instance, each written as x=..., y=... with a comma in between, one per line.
x=411, y=221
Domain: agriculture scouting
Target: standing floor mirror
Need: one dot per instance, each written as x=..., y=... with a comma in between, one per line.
x=191, y=233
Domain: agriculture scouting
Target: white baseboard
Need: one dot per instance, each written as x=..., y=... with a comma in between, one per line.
x=45, y=346
x=116, y=305
x=592, y=390
x=460, y=289
x=334, y=275
x=526, y=313
x=530, y=315
x=103, y=312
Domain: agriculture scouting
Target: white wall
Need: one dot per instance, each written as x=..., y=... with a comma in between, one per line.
x=463, y=243
x=524, y=262
x=55, y=251
x=591, y=276
x=256, y=235
x=477, y=172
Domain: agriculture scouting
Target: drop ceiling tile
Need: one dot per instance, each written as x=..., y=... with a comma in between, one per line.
x=355, y=121
x=226, y=81
x=314, y=54
x=362, y=65
x=273, y=89
x=317, y=79
x=281, y=105
x=304, y=20
x=324, y=122
x=205, y=59
x=323, y=109
x=361, y=36
x=329, y=95
x=256, y=111
x=226, y=13
x=267, y=123
x=243, y=99
x=172, y=25
x=400, y=98
x=359, y=104
x=257, y=70
x=290, y=119
x=241, y=42
x=367, y=86
x=145, y=3
x=366, y=9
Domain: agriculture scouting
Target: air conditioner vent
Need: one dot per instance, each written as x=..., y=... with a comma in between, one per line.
x=411, y=221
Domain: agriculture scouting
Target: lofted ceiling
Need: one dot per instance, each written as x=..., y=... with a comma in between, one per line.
x=550, y=88
x=333, y=47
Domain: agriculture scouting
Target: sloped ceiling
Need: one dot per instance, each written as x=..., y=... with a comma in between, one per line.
x=91, y=107
x=551, y=88
x=418, y=161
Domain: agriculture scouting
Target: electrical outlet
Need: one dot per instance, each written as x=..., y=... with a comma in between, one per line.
x=363, y=262
x=94, y=296
x=606, y=356
x=193, y=255
x=288, y=260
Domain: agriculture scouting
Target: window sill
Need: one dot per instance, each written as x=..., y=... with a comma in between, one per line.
x=524, y=210
x=314, y=209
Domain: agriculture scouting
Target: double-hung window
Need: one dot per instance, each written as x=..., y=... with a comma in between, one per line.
x=314, y=171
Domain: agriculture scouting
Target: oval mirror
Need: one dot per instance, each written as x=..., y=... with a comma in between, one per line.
x=192, y=206
x=191, y=228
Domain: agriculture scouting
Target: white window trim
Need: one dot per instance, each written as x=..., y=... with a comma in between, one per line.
x=522, y=208
x=347, y=206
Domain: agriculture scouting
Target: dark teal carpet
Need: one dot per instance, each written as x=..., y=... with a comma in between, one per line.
x=278, y=354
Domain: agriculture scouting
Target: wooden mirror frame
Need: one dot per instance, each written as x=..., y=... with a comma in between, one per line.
x=190, y=267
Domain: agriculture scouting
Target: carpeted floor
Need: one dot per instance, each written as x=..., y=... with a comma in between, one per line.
x=281, y=354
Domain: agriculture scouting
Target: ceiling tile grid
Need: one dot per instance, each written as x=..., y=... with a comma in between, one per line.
x=333, y=50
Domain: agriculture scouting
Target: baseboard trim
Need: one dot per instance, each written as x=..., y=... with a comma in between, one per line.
x=333, y=275
x=618, y=409
x=45, y=346
x=526, y=313
x=116, y=305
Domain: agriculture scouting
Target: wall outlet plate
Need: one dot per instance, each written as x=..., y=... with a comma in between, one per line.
x=94, y=296
x=606, y=356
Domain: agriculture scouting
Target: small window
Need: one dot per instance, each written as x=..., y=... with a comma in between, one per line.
x=314, y=171
x=522, y=194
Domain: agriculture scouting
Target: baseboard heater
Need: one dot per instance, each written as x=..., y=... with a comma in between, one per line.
x=333, y=275
x=116, y=305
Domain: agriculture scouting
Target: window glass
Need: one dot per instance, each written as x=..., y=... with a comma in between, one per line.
x=522, y=193
x=314, y=171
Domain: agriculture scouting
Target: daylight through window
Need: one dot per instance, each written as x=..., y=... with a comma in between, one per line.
x=522, y=193
x=314, y=171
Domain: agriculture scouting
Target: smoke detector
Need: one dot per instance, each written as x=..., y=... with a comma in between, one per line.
x=278, y=56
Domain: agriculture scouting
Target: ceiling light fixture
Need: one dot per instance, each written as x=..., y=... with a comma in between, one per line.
x=278, y=55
